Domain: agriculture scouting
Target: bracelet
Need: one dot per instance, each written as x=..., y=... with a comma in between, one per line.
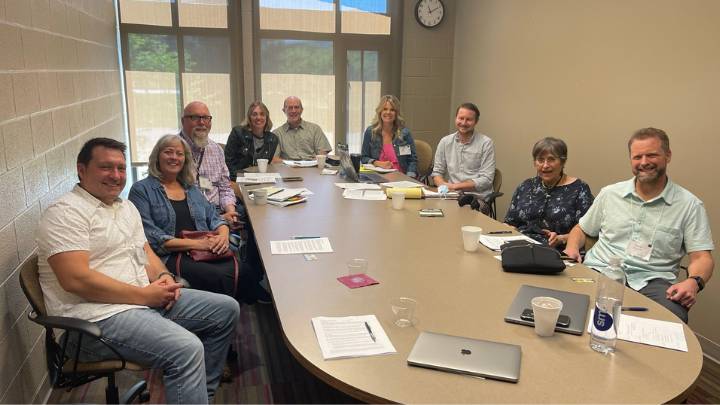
x=164, y=273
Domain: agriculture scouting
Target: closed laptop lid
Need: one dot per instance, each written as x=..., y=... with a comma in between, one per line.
x=482, y=358
x=574, y=305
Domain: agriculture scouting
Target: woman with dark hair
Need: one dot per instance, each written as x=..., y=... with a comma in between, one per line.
x=547, y=206
x=169, y=202
x=386, y=142
x=251, y=140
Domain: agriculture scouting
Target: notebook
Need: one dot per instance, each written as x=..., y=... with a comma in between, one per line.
x=347, y=166
x=574, y=305
x=480, y=358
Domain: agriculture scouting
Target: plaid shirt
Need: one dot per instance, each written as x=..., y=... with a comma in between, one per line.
x=214, y=169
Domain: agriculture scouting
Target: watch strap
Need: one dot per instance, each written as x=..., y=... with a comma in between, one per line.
x=700, y=282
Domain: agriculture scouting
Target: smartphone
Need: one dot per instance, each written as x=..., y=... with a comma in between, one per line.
x=527, y=315
x=293, y=178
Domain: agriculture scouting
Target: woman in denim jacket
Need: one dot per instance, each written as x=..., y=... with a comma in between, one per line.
x=169, y=202
x=387, y=143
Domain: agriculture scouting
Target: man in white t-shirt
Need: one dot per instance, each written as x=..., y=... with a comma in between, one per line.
x=95, y=264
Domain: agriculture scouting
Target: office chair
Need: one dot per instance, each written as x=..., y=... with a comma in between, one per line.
x=485, y=205
x=64, y=368
x=424, y=160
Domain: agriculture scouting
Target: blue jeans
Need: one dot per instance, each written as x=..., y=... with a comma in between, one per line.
x=189, y=342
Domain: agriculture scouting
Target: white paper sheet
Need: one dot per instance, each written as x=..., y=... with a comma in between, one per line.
x=402, y=184
x=370, y=166
x=653, y=332
x=343, y=337
x=494, y=242
x=256, y=180
x=329, y=171
x=300, y=246
x=256, y=175
x=369, y=195
x=300, y=163
x=358, y=186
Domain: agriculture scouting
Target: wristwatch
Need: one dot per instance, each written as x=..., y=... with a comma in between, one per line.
x=700, y=282
x=174, y=279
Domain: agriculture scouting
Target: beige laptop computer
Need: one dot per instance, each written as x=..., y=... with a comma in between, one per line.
x=480, y=358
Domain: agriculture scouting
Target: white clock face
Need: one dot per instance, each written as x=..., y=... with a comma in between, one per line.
x=430, y=13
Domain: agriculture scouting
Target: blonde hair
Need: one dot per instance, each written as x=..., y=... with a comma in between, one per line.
x=399, y=122
x=247, y=122
x=187, y=175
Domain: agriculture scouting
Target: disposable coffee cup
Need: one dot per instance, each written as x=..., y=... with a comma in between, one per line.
x=260, y=197
x=546, y=311
x=321, y=161
x=471, y=237
x=262, y=165
x=398, y=200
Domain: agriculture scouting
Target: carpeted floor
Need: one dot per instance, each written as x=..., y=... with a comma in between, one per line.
x=267, y=373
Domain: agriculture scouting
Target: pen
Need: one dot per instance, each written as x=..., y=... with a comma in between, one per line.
x=499, y=232
x=634, y=309
x=372, y=335
x=307, y=237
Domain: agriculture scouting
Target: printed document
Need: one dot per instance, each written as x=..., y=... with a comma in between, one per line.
x=494, y=242
x=300, y=163
x=300, y=246
x=370, y=166
x=373, y=195
x=402, y=184
x=351, y=336
x=358, y=186
x=256, y=179
x=653, y=332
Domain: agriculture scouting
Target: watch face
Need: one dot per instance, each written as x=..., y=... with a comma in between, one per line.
x=429, y=13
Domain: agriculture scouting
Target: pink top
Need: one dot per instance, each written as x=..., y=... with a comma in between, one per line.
x=388, y=154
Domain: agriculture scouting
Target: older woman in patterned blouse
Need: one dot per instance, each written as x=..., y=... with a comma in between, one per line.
x=547, y=206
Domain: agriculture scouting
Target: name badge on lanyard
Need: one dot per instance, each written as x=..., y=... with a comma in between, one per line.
x=205, y=183
x=405, y=150
x=640, y=249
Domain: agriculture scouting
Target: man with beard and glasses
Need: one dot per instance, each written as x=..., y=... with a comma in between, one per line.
x=650, y=223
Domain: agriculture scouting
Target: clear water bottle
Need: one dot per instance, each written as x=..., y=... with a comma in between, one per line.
x=608, y=303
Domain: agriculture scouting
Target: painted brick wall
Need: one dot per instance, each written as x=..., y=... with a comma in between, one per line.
x=59, y=86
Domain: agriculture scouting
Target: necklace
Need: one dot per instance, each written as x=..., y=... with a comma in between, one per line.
x=549, y=188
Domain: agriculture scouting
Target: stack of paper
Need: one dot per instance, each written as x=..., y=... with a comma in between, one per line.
x=371, y=167
x=358, y=186
x=300, y=163
x=351, y=336
x=653, y=332
x=258, y=178
x=300, y=246
x=370, y=195
x=494, y=242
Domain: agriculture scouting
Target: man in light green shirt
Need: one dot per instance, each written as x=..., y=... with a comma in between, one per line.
x=650, y=223
x=300, y=139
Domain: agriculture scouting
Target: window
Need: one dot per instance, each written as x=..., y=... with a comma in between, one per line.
x=175, y=52
x=339, y=64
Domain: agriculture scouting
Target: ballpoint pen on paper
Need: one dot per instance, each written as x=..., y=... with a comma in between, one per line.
x=372, y=335
x=634, y=309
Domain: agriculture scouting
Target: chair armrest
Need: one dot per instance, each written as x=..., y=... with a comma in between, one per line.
x=69, y=324
x=492, y=196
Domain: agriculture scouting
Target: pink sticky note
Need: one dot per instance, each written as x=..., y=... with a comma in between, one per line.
x=357, y=280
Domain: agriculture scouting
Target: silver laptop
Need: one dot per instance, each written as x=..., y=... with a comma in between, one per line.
x=575, y=307
x=350, y=173
x=480, y=358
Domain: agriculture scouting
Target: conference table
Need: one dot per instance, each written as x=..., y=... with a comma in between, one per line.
x=458, y=293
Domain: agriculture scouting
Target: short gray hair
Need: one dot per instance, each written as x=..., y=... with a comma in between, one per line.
x=187, y=174
x=554, y=146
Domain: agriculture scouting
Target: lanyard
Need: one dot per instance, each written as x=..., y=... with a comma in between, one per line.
x=637, y=219
x=198, y=163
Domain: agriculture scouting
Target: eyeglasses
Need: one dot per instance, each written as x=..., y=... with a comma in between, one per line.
x=196, y=118
x=549, y=160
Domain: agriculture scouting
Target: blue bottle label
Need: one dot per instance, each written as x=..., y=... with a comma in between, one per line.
x=602, y=321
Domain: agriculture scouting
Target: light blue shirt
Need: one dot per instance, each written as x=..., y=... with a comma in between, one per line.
x=674, y=223
x=458, y=162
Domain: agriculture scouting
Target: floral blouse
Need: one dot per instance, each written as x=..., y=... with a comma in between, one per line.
x=534, y=208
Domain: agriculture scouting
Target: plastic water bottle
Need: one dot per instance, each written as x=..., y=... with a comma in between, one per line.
x=608, y=303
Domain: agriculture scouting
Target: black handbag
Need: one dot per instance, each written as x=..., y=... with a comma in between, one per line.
x=526, y=257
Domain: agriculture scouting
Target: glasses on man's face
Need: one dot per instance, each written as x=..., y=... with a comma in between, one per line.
x=196, y=118
x=551, y=160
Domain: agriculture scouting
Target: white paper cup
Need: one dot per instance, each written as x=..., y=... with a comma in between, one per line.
x=321, y=161
x=262, y=165
x=546, y=311
x=404, y=309
x=398, y=200
x=260, y=197
x=471, y=237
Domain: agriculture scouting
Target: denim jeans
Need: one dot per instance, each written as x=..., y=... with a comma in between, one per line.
x=189, y=342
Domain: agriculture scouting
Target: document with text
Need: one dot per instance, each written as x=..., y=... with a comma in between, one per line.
x=653, y=332
x=300, y=246
x=370, y=195
x=494, y=242
x=358, y=186
x=351, y=336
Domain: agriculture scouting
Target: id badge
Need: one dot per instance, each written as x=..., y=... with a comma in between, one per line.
x=405, y=150
x=141, y=256
x=205, y=183
x=639, y=249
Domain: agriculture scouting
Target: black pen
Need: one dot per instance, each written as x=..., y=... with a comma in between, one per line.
x=499, y=232
x=639, y=309
x=372, y=335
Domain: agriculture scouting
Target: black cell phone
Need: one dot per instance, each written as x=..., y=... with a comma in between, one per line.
x=527, y=315
x=292, y=178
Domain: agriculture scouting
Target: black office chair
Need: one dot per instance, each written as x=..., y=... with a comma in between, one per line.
x=487, y=204
x=65, y=370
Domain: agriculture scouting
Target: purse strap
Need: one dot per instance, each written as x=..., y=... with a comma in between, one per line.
x=236, y=274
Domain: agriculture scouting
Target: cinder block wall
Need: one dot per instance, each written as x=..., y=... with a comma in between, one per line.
x=59, y=86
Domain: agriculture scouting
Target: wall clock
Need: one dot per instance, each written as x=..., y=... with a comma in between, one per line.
x=429, y=13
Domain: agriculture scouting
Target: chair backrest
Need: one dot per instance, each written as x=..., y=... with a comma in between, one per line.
x=30, y=284
x=497, y=181
x=425, y=158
